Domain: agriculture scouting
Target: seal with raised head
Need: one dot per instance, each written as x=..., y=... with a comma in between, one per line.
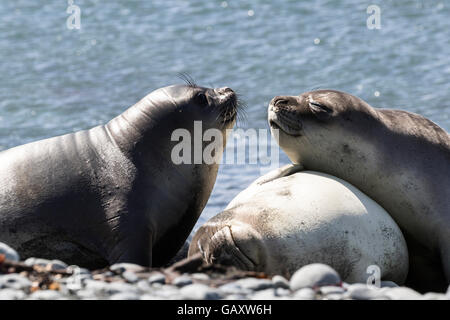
x=399, y=159
x=288, y=219
x=112, y=193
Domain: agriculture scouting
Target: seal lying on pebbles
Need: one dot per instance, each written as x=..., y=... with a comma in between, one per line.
x=112, y=193
x=286, y=220
x=399, y=159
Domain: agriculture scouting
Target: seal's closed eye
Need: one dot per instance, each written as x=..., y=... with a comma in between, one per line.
x=321, y=111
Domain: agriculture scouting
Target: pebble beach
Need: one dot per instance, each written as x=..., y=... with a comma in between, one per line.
x=187, y=279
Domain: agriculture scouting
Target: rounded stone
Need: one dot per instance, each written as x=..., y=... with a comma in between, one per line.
x=359, y=291
x=12, y=294
x=266, y=294
x=130, y=276
x=198, y=291
x=124, y=266
x=254, y=284
x=124, y=296
x=280, y=282
x=9, y=252
x=14, y=281
x=45, y=295
x=182, y=281
x=304, y=294
x=326, y=290
x=403, y=293
x=313, y=276
x=157, y=278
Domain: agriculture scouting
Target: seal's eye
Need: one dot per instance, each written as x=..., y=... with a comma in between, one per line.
x=321, y=111
x=200, y=98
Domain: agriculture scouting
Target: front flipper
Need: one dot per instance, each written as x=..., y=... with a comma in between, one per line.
x=284, y=171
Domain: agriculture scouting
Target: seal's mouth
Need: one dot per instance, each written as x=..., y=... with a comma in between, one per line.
x=228, y=105
x=285, y=121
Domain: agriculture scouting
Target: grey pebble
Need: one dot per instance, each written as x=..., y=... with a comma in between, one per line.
x=52, y=264
x=9, y=252
x=266, y=294
x=235, y=297
x=198, y=291
x=282, y=292
x=124, y=266
x=182, y=281
x=124, y=296
x=130, y=276
x=402, y=293
x=304, y=294
x=314, y=275
x=326, y=290
x=12, y=294
x=157, y=278
x=360, y=291
x=45, y=295
x=14, y=281
x=280, y=282
x=254, y=284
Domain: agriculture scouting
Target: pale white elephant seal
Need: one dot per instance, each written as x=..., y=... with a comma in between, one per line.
x=287, y=219
x=399, y=159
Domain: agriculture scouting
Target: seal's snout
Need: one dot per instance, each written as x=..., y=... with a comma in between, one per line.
x=228, y=103
x=225, y=90
x=283, y=115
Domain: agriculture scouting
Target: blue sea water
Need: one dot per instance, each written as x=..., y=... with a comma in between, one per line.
x=55, y=80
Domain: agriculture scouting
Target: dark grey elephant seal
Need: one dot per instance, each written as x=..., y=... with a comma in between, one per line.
x=399, y=159
x=112, y=193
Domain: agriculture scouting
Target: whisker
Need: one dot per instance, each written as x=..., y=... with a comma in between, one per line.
x=186, y=77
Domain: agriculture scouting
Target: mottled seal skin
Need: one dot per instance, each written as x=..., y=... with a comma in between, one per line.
x=399, y=159
x=112, y=194
x=287, y=219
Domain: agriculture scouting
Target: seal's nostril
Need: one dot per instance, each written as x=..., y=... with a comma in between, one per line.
x=279, y=102
x=225, y=90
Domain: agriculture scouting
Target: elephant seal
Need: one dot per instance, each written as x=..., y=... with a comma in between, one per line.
x=289, y=219
x=399, y=159
x=112, y=193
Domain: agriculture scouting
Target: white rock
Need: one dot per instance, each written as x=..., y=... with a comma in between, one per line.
x=254, y=284
x=9, y=252
x=124, y=266
x=130, y=276
x=325, y=290
x=304, y=294
x=199, y=291
x=266, y=294
x=314, y=275
x=157, y=278
x=403, y=293
x=12, y=294
x=45, y=295
x=280, y=282
x=14, y=281
x=182, y=281
x=124, y=296
x=360, y=291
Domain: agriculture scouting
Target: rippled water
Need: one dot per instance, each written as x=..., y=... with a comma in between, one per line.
x=54, y=80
